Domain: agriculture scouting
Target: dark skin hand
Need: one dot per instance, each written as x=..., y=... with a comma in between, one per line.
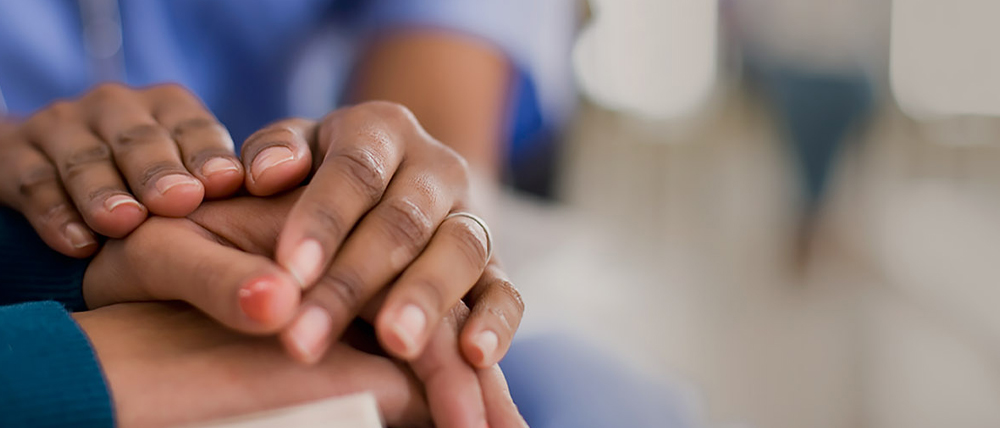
x=372, y=217
x=215, y=260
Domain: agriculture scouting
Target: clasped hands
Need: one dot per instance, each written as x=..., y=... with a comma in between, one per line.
x=365, y=237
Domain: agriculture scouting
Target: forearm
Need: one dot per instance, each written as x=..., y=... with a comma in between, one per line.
x=456, y=86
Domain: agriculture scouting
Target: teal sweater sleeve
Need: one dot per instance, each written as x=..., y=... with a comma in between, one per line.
x=49, y=376
x=30, y=271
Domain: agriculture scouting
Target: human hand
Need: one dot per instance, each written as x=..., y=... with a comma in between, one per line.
x=218, y=260
x=374, y=214
x=70, y=166
x=167, y=364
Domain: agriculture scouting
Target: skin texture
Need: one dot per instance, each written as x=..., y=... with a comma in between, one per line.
x=394, y=187
x=167, y=364
x=73, y=167
x=213, y=257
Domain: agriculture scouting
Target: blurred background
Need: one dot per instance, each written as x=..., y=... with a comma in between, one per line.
x=787, y=209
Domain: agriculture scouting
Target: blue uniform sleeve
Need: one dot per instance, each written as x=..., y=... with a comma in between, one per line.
x=49, y=376
x=511, y=25
x=30, y=271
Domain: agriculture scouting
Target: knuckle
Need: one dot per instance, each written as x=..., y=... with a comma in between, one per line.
x=507, y=289
x=430, y=293
x=35, y=179
x=341, y=288
x=197, y=125
x=154, y=170
x=466, y=235
x=52, y=115
x=108, y=91
x=141, y=135
x=406, y=223
x=78, y=161
x=270, y=136
x=169, y=89
x=387, y=110
x=328, y=222
x=365, y=171
x=56, y=213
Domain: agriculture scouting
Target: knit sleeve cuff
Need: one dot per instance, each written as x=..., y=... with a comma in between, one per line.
x=30, y=271
x=49, y=376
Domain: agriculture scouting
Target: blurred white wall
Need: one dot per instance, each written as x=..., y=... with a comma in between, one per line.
x=652, y=58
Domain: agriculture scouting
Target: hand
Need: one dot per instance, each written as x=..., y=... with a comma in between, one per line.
x=374, y=214
x=218, y=260
x=167, y=364
x=69, y=167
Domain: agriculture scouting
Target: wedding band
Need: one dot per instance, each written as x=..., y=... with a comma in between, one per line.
x=481, y=223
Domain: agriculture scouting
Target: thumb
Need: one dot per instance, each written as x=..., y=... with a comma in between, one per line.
x=183, y=261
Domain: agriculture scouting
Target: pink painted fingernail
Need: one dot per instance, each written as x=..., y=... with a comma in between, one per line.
x=305, y=262
x=487, y=342
x=116, y=201
x=79, y=236
x=309, y=331
x=269, y=158
x=409, y=325
x=255, y=300
x=217, y=165
x=167, y=182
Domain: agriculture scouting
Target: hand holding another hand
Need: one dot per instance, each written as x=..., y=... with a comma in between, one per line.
x=216, y=259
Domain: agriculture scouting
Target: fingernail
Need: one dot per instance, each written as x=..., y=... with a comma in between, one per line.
x=305, y=261
x=487, y=342
x=268, y=158
x=167, y=182
x=116, y=201
x=255, y=300
x=309, y=331
x=217, y=165
x=409, y=325
x=79, y=236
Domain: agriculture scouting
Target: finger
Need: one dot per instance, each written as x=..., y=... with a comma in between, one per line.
x=497, y=309
x=244, y=291
x=278, y=157
x=454, y=393
x=205, y=145
x=381, y=246
x=144, y=151
x=37, y=193
x=351, y=180
x=87, y=172
x=500, y=408
x=432, y=285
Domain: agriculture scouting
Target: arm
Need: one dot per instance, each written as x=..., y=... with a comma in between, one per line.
x=456, y=87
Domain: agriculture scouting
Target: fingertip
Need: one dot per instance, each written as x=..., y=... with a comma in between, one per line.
x=269, y=302
x=308, y=336
x=175, y=195
x=117, y=216
x=276, y=169
x=221, y=177
x=480, y=348
x=77, y=241
x=402, y=331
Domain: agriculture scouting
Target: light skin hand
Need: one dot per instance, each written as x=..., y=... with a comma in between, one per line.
x=101, y=163
x=167, y=364
x=218, y=260
x=373, y=215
